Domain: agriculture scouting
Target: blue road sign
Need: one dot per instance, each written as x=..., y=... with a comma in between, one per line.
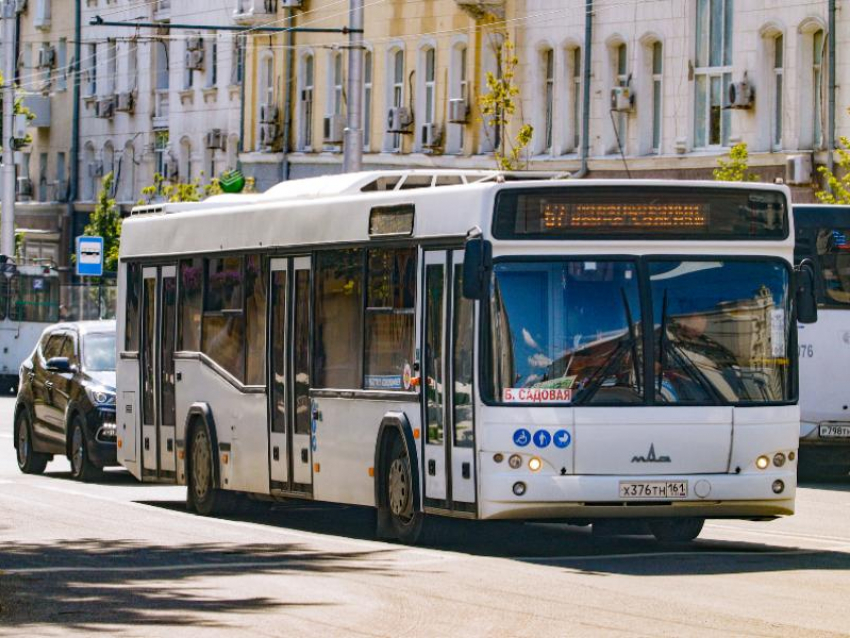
x=89, y=256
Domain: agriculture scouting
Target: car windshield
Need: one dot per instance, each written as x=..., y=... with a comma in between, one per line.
x=572, y=332
x=99, y=352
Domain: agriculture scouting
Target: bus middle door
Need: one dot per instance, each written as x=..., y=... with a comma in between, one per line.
x=447, y=381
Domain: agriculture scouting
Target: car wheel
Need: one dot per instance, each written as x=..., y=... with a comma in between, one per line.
x=405, y=523
x=676, y=530
x=202, y=495
x=29, y=461
x=82, y=468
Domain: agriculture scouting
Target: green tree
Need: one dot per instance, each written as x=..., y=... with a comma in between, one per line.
x=192, y=191
x=20, y=109
x=499, y=107
x=105, y=221
x=837, y=190
x=737, y=168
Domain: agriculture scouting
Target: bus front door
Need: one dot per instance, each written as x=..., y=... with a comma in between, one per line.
x=447, y=381
x=289, y=396
x=159, y=326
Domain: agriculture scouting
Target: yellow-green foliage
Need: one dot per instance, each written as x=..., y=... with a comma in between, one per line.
x=737, y=168
x=498, y=107
x=838, y=188
x=193, y=191
x=105, y=221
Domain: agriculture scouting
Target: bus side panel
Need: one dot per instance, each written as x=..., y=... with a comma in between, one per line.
x=240, y=421
x=129, y=419
x=764, y=430
x=17, y=341
x=344, y=447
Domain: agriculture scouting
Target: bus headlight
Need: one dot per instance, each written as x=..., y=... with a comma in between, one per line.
x=779, y=459
x=515, y=461
x=762, y=462
x=534, y=464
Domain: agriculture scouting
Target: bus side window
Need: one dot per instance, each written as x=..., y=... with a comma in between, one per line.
x=390, y=299
x=131, y=325
x=339, y=319
x=191, y=297
x=223, y=324
x=255, y=310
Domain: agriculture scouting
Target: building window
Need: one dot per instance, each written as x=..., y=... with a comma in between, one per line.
x=160, y=150
x=61, y=64
x=713, y=72
x=575, y=98
x=548, y=98
x=306, y=103
x=111, y=66
x=396, y=91
x=818, y=41
x=188, y=73
x=336, y=92
x=778, y=84
x=620, y=119
x=237, y=61
x=42, y=177
x=212, y=61
x=429, y=95
x=91, y=71
x=61, y=180
x=267, y=95
x=657, y=101
x=458, y=90
x=367, y=99
x=132, y=79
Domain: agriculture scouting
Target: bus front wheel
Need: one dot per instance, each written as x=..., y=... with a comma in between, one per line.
x=399, y=517
x=676, y=530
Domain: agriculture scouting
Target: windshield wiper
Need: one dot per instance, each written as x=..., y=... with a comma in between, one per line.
x=598, y=378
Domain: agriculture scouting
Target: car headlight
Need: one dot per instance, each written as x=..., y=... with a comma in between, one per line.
x=100, y=396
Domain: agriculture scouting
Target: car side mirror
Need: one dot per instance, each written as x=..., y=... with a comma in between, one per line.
x=59, y=364
x=477, y=266
x=807, y=306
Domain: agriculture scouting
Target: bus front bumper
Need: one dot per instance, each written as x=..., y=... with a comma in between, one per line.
x=590, y=497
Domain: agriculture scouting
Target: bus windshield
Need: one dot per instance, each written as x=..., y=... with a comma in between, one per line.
x=833, y=249
x=573, y=332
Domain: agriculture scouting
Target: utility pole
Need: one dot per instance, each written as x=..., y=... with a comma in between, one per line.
x=7, y=212
x=352, y=159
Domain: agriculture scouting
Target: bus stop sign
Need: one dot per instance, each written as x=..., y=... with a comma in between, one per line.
x=89, y=256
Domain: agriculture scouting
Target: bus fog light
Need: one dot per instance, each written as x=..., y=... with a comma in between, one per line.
x=778, y=486
x=762, y=462
x=519, y=488
x=534, y=464
x=791, y=456
x=779, y=459
x=515, y=461
x=498, y=457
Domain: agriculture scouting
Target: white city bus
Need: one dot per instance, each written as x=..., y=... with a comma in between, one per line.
x=442, y=344
x=823, y=236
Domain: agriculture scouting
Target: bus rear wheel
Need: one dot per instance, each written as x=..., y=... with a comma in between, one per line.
x=202, y=495
x=402, y=520
x=676, y=530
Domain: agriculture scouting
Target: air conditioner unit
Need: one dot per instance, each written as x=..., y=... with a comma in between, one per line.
x=195, y=59
x=96, y=168
x=798, y=170
x=20, y=6
x=268, y=134
x=269, y=114
x=622, y=99
x=106, y=107
x=215, y=140
x=23, y=187
x=334, y=129
x=741, y=95
x=399, y=119
x=194, y=43
x=171, y=169
x=431, y=135
x=46, y=57
x=458, y=111
x=126, y=102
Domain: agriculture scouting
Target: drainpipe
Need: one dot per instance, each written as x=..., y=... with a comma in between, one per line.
x=289, y=63
x=585, y=101
x=830, y=143
x=74, y=159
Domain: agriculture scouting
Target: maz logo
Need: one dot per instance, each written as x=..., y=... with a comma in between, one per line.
x=651, y=458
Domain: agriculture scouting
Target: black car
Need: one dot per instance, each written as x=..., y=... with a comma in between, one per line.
x=66, y=400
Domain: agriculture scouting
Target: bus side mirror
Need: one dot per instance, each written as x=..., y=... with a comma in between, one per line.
x=477, y=265
x=807, y=306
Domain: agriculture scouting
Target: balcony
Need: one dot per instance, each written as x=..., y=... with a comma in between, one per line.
x=254, y=12
x=481, y=8
x=40, y=106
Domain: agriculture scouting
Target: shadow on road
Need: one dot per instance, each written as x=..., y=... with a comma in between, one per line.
x=832, y=484
x=112, y=476
x=94, y=585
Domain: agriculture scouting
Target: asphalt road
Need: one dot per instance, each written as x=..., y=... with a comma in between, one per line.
x=123, y=558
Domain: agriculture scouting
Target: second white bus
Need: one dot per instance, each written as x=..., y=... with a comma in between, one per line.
x=451, y=344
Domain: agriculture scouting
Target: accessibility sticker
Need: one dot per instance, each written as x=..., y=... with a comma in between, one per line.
x=562, y=439
x=522, y=437
x=542, y=438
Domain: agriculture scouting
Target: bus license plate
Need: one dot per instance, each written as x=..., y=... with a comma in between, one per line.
x=653, y=489
x=835, y=431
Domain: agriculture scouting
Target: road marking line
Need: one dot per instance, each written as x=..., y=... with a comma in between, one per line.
x=840, y=539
